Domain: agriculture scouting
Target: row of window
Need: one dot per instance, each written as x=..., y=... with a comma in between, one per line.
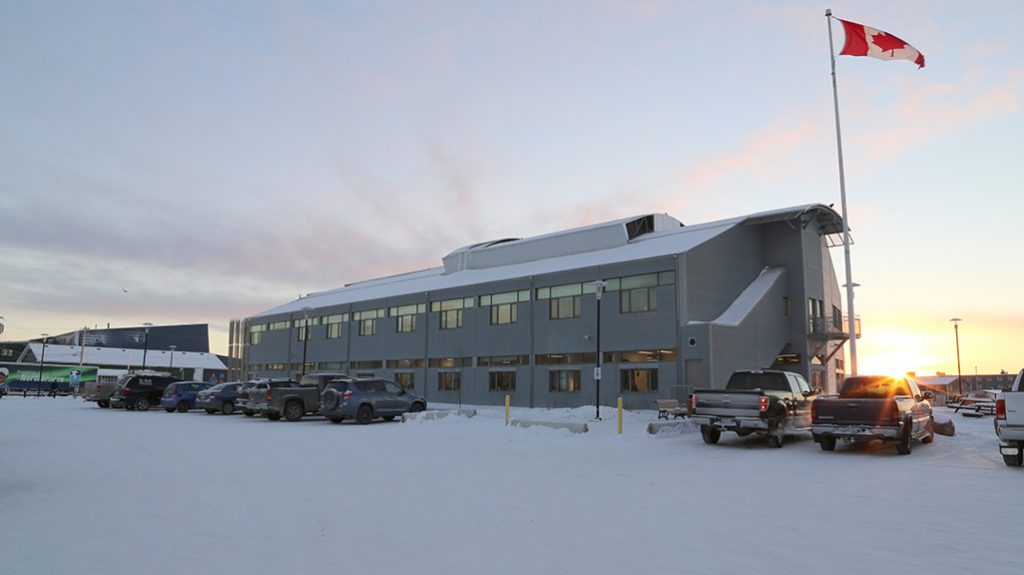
x=587, y=358
x=565, y=380
x=638, y=294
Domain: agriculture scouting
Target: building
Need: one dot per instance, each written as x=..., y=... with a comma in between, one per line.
x=681, y=307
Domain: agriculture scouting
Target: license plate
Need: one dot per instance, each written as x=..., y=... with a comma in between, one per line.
x=727, y=422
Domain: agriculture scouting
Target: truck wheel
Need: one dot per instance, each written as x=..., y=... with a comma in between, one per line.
x=142, y=404
x=103, y=404
x=903, y=446
x=827, y=442
x=293, y=410
x=365, y=414
x=249, y=413
x=227, y=408
x=182, y=406
x=777, y=432
x=273, y=416
x=709, y=434
x=1014, y=460
x=930, y=431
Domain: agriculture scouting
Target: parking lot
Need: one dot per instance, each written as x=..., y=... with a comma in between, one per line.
x=85, y=490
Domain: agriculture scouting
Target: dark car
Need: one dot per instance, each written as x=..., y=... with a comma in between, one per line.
x=181, y=396
x=252, y=395
x=367, y=399
x=140, y=390
x=222, y=397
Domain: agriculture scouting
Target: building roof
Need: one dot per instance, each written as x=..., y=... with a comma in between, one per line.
x=618, y=241
x=114, y=356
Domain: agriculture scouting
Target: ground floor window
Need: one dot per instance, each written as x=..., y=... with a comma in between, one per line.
x=449, y=381
x=405, y=379
x=502, y=381
x=564, y=380
x=638, y=380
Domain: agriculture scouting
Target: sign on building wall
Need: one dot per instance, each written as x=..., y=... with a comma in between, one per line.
x=18, y=376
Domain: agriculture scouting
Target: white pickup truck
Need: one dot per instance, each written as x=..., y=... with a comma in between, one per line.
x=1010, y=422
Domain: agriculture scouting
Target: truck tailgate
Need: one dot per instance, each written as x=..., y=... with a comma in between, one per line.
x=727, y=403
x=860, y=411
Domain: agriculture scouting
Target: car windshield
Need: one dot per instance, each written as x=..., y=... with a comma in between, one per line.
x=751, y=380
x=877, y=387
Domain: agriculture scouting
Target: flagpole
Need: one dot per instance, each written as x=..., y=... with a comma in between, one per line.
x=851, y=317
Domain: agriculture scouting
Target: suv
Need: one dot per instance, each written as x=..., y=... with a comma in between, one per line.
x=140, y=390
x=181, y=395
x=221, y=397
x=366, y=399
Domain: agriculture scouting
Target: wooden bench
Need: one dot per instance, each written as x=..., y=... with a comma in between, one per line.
x=667, y=407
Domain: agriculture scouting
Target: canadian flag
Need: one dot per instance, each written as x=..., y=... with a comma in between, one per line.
x=864, y=41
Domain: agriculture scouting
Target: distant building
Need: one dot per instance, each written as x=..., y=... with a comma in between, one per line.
x=682, y=307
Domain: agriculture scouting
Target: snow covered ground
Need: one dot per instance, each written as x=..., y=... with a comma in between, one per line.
x=91, y=491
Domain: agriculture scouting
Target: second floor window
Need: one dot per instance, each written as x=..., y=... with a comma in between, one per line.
x=564, y=307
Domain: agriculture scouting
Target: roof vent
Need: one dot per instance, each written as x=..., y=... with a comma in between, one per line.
x=640, y=226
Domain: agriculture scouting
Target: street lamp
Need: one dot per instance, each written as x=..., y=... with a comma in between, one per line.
x=42, y=357
x=599, y=286
x=956, y=329
x=171, y=366
x=305, y=336
x=145, y=345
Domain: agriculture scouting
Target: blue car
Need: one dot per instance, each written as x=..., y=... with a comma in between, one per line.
x=181, y=396
x=367, y=399
x=222, y=397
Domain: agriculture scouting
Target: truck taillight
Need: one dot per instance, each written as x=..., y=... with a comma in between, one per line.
x=693, y=403
x=270, y=394
x=1000, y=409
x=346, y=395
x=814, y=411
x=764, y=403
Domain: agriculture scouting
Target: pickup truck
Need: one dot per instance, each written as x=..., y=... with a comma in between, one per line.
x=98, y=391
x=291, y=401
x=1010, y=422
x=754, y=401
x=873, y=407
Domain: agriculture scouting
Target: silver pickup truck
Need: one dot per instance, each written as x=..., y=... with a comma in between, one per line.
x=769, y=402
x=1010, y=422
x=292, y=401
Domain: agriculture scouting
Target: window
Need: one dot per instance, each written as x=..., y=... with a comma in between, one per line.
x=564, y=380
x=405, y=379
x=406, y=324
x=638, y=380
x=502, y=360
x=451, y=362
x=256, y=333
x=367, y=364
x=504, y=313
x=566, y=358
x=367, y=327
x=785, y=306
x=404, y=363
x=640, y=356
x=276, y=367
x=333, y=323
x=274, y=326
x=502, y=381
x=333, y=330
x=638, y=300
x=451, y=319
x=565, y=307
x=449, y=381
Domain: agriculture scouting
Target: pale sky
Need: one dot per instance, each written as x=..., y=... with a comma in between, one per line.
x=193, y=162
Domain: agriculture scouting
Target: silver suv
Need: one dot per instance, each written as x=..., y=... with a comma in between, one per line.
x=367, y=399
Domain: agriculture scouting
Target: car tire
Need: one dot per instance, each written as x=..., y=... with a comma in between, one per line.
x=227, y=408
x=903, y=446
x=365, y=414
x=103, y=404
x=709, y=434
x=827, y=442
x=169, y=409
x=336, y=419
x=417, y=407
x=1014, y=460
x=777, y=432
x=182, y=406
x=330, y=399
x=930, y=435
x=249, y=413
x=293, y=410
x=141, y=404
x=273, y=416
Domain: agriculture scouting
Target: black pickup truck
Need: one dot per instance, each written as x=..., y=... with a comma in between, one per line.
x=754, y=401
x=872, y=407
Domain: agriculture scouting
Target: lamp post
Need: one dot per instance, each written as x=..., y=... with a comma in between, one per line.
x=171, y=366
x=305, y=337
x=956, y=330
x=42, y=358
x=145, y=345
x=599, y=286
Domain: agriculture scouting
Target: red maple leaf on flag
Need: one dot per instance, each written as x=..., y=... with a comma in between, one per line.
x=888, y=42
